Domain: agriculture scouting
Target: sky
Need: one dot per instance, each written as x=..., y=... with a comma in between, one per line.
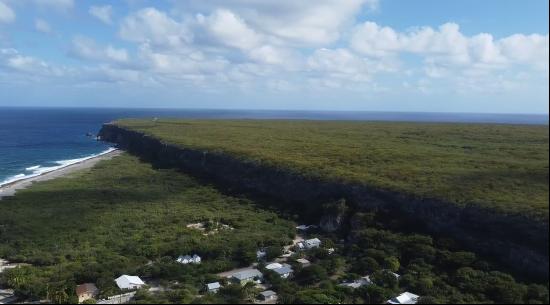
x=487, y=56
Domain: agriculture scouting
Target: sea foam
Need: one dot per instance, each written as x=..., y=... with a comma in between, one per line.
x=38, y=170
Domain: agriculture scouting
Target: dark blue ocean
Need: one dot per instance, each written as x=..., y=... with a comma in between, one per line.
x=36, y=140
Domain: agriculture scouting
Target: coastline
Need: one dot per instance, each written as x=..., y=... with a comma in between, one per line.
x=11, y=188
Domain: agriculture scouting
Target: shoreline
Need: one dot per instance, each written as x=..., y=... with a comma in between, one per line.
x=11, y=188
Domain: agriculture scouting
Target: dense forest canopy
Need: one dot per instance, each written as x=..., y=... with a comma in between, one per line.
x=504, y=167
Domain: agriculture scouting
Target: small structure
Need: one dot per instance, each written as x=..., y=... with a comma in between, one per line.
x=304, y=262
x=213, y=287
x=364, y=281
x=268, y=295
x=273, y=266
x=7, y=296
x=285, y=271
x=86, y=291
x=261, y=254
x=129, y=282
x=287, y=254
x=330, y=251
x=404, y=298
x=246, y=276
x=309, y=244
x=397, y=276
x=188, y=259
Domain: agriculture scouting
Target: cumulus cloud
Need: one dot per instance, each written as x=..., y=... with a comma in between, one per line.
x=154, y=27
x=301, y=23
x=448, y=46
x=42, y=25
x=86, y=48
x=103, y=13
x=230, y=29
x=7, y=15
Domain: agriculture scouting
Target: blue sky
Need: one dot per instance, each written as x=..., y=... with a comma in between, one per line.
x=381, y=55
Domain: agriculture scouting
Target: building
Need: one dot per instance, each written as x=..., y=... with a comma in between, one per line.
x=304, y=262
x=86, y=291
x=308, y=244
x=129, y=282
x=284, y=272
x=273, y=266
x=364, y=281
x=268, y=295
x=261, y=254
x=213, y=287
x=246, y=276
x=188, y=259
x=404, y=298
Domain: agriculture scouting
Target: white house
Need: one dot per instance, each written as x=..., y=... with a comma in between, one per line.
x=248, y=275
x=309, y=244
x=273, y=266
x=260, y=254
x=187, y=259
x=285, y=271
x=129, y=282
x=304, y=262
x=364, y=281
x=404, y=298
x=213, y=287
x=268, y=295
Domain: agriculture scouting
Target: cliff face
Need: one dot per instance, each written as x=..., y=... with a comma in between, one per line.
x=516, y=241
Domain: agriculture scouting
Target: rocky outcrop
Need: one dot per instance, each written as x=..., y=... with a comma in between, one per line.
x=515, y=240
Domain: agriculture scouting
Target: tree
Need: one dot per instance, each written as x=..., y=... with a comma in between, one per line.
x=312, y=275
x=391, y=263
x=273, y=252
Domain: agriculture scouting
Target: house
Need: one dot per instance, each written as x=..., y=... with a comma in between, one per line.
x=261, y=254
x=273, y=266
x=86, y=291
x=364, y=281
x=404, y=298
x=287, y=253
x=309, y=244
x=268, y=295
x=187, y=259
x=303, y=262
x=394, y=274
x=246, y=276
x=285, y=271
x=213, y=287
x=129, y=282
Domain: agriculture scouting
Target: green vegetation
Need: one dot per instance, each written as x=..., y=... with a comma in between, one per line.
x=124, y=217
x=504, y=167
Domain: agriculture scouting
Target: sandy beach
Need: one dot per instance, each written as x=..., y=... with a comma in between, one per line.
x=11, y=189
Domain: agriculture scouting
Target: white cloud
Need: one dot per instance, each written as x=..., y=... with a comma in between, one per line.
x=531, y=49
x=7, y=15
x=85, y=48
x=42, y=25
x=339, y=63
x=230, y=29
x=448, y=46
x=301, y=23
x=154, y=27
x=103, y=13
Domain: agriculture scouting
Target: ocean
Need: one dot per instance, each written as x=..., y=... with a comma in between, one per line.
x=37, y=140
